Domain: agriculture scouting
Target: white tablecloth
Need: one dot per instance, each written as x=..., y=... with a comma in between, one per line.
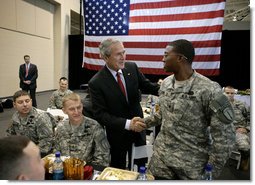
x=244, y=98
x=57, y=112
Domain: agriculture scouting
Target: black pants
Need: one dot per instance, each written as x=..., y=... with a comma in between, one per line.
x=32, y=94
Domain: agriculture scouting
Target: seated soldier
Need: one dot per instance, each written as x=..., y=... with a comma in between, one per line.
x=242, y=125
x=81, y=137
x=34, y=123
x=56, y=97
x=20, y=159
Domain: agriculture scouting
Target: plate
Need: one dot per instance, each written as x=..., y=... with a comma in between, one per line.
x=110, y=173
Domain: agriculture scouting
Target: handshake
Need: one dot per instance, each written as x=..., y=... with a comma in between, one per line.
x=137, y=124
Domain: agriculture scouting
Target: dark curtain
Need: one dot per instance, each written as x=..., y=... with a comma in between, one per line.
x=235, y=59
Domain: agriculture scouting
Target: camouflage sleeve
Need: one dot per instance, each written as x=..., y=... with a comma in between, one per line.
x=58, y=137
x=222, y=132
x=53, y=120
x=156, y=119
x=52, y=101
x=10, y=130
x=102, y=147
x=45, y=133
x=246, y=113
x=153, y=120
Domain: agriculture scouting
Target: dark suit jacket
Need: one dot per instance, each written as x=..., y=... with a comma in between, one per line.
x=111, y=108
x=32, y=75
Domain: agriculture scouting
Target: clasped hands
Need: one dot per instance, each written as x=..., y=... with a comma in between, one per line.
x=27, y=82
x=137, y=124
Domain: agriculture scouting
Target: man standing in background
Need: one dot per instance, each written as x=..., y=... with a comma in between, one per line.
x=28, y=74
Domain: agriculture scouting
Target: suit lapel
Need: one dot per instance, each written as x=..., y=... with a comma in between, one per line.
x=24, y=67
x=113, y=85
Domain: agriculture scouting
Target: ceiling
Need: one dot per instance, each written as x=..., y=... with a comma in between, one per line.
x=237, y=10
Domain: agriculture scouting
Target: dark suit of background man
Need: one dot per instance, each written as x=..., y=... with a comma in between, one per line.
x=112, y=108
x=28, y=74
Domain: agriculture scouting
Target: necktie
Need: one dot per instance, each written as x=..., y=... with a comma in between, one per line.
x=26, y=70
x=120, y=83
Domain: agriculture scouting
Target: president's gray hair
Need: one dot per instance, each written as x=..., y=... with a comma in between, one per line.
x=104, y=47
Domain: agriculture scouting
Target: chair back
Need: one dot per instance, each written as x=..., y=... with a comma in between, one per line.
x=139, y=152
x=236, y=155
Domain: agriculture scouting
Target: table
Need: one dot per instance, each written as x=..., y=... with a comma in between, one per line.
x=244, y=98
x=96, y=168
x=57, y=113
x=97, y=171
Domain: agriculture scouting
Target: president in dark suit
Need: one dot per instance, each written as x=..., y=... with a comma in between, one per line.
x=115, y=94
x=28, y=74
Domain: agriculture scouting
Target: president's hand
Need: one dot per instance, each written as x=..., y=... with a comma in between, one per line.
x=137, y=124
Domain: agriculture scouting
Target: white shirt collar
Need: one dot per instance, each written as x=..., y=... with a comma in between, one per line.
x=114, y=72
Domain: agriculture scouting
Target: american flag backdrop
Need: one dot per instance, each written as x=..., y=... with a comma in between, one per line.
x=147, y=26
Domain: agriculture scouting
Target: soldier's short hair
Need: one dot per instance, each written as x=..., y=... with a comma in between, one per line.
x=20, y=93
x=229, y=87
x=71, y=96
x=185, y=48
x=12, y=156
x=63, y=78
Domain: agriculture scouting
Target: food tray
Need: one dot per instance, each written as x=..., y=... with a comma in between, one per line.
x=150, y=177
x=110, y=173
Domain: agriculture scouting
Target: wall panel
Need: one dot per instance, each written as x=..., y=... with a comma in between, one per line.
x=26, y=16
x=8, y=14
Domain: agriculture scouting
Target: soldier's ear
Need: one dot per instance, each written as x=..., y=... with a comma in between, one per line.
x=22, y=177
x=63, y=109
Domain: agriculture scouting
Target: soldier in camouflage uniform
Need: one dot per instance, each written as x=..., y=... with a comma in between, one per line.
x=81, y=137
x=36, y=124
x=242, y=120
x=57, y=96
x=242, y=126
x=189, y=103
